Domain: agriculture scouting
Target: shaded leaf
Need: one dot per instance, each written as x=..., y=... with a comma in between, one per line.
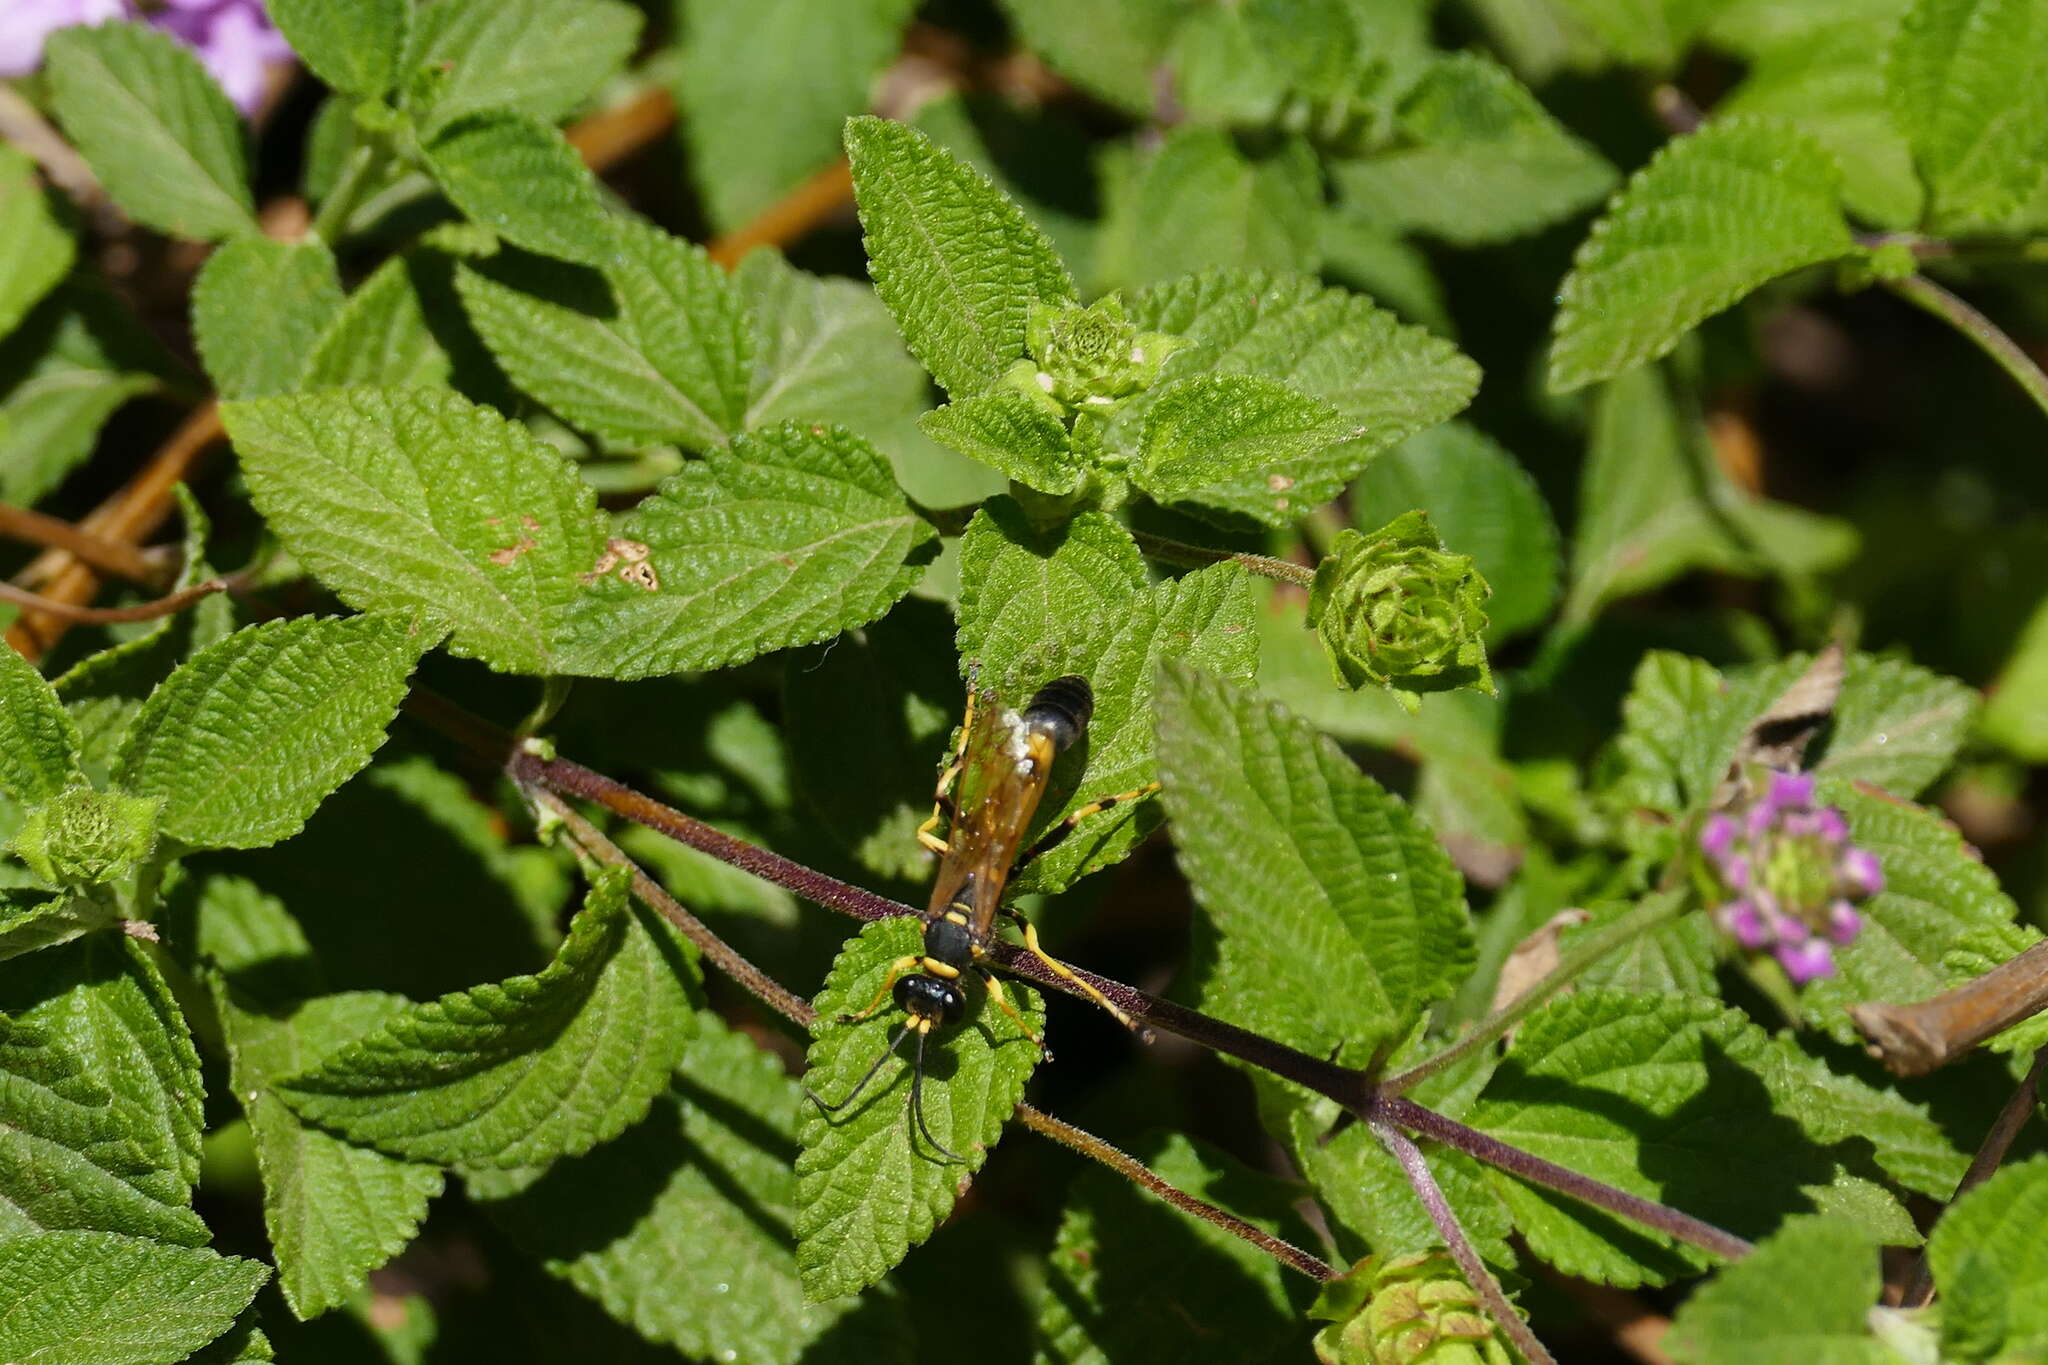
x=258, y=309
x=39, y=742
x=1965, y=84
x=539, y=57
x=1198, y=203
x=1805, y=1296
x=35, y=246
x=1989, y=1266
x=356, y=49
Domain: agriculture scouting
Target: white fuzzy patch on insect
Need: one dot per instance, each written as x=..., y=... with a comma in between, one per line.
x=1017, y=745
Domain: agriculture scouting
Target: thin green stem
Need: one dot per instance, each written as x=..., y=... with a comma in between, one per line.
x=1649, y=913
x=1201, y=557
x=554, y=690
x=1924, y=293
x=357, y=175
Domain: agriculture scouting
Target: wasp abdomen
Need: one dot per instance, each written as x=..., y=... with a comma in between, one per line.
x=1061, y=710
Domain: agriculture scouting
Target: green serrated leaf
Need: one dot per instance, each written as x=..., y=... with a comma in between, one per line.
x=1826, y=83
x=157, y=131
x=1476, y=160
x=1008, y=432
x=1806, y=1295
x=39, y=742
x=103, y=999
x=958, y=264
x=1114, y=50
x=1485, y=504
x=1896, y=726
x=869, y=1184
x=334, y=1211
x=31, y=921
x=786, y=538
x=1990, y=1267
x=1131, y=1279
x=380, y=336
x=90, y=1298
x=1905, y=1141
x=258, y=309
x=745, y=152
x=355, y=49
x=1388, y=380
x=656, y=350
x=76, y=358
x=246, y=739
x=1938, y=898
x=1207, y=434
x=519, y=177
x=1074, y=599
x=1665, y=1096
x=1682, y=723
x=418, y=500
x=68, y=1157
x=539, y=57
x=522, y=1071
x=1350, y=921
x=37, y=249
x=1964, y=78
x=1715, y=214
x=1676, y=958
x=1199, y=202
x=698, y=1195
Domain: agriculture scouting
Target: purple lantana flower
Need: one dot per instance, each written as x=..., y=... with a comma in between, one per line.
x=1790, y=878
x=234, y=39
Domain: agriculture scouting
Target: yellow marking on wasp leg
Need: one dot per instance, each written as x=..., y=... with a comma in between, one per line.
x=944, y=970
x=1066, y=973
x=1002, y=999
x=896, y=971
x=927, y=833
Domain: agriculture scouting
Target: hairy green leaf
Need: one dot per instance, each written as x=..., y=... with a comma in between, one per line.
x=1387, y=380
x=1074, y=599
x=1114, y=50
x=71, y=1156
x=355, y=48
x=1965, y=80
x=539, y=57
x=1805, y=1296
x=159, y=134
x=1896, y=726
x=1989, y=1264
x=92, y=1298
x=103, y=999
x=1904, y=1139
x=1008, y=432
x=747, y=152
x=1921, y=935
x=1715, y=214
x=35, y=246
x=1199, y=202
x=1213, y=431
x=786, y=538
x=1131, y=1279
x=258, y=309
x=1665, y=1096
x=522, y=1071
x=75, y=359
x=655, y=350
x=31, y=921
x=698, y=1195
x=379, y=336
x=1476, y=160
x=335, y=1211
x=1681, y=723
x=417, y=500
x=1485, y=504
x=958, y=264
x=519, y=177
x=39, y=742
x=246, y=739
x=1350, y=918
x=870, y=1184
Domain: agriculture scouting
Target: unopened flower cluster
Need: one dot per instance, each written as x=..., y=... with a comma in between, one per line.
x=1395, y=609
x=1405, y=1310
x=234, y=39
x=1790, y=878
x=1088, y=360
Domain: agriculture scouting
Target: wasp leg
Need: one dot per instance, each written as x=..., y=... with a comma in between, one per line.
x=896, y=970
x=1066, y=973
x=862, y=1083
x=1002, y=999
x=943, y=811
x=1057, y=835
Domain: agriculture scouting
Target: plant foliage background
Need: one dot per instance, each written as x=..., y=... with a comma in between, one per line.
x=1448, y=437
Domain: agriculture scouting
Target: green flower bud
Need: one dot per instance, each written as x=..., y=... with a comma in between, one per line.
x=1087, y=360
x=86, y=838
x=1407, y=1310
x=1395, y=609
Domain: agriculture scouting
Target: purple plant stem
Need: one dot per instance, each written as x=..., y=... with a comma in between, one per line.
x=1423, y=1181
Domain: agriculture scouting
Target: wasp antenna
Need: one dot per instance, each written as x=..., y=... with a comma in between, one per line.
x=917, y=1106
x=862, y=1084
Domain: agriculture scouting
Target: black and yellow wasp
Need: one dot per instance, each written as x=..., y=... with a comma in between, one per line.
x=987, y=794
